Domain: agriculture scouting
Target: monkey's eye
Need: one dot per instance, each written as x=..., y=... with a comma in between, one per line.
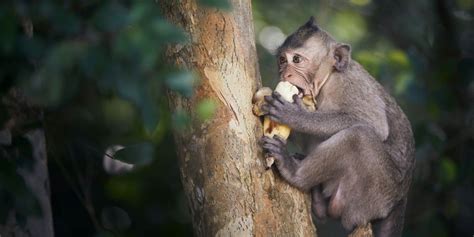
x=297, y=59
x=282, y=60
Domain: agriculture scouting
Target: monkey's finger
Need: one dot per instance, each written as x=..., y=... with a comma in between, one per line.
x=279, y=140
x=298, y=101
x=272, y=116
x=278, y=156
x=268, y=109
x=272, y=101
x=265, y=108
x=273, y=141
x=279, y=98
x=272, y=148
x=263, y=140
x=273, y=155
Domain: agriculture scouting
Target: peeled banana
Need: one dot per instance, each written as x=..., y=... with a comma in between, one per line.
x=271, y=128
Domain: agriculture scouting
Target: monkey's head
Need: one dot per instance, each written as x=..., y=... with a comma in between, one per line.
x=308, y=56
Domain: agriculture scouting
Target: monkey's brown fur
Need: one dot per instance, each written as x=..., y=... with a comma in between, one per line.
x=358, y=145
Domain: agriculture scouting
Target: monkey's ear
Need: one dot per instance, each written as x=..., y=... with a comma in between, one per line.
x=342, y=54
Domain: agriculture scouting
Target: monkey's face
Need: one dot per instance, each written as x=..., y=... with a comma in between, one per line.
x=300, y=65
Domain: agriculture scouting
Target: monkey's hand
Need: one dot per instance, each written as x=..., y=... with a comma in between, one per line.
x=282, y=111
x=275, y=147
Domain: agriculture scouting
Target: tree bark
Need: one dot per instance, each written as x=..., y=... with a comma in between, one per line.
x=21, y=117
x=229, y=192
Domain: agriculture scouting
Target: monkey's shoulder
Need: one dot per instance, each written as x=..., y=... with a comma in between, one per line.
x=356, y=93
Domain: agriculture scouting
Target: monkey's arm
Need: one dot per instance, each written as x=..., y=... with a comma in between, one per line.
x=321, y=123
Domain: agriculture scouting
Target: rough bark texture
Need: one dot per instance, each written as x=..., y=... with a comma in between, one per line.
x=21, y=116
x=362, y=231
x=229, y=192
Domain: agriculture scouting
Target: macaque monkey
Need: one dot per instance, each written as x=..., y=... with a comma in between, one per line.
x=358, y=145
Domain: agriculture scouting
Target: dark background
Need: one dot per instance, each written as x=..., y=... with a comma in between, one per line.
x=97, y=68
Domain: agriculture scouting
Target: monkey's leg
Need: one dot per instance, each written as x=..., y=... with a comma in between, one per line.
x=318, y=202
x=392, y=225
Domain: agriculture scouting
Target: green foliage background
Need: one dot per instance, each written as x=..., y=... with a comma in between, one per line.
x=98, y=69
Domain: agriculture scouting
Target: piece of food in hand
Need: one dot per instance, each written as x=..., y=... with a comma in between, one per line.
x=258, y=100
x=272, y=128
x=309, y=102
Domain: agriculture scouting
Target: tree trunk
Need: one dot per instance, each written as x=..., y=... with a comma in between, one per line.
x=229, y=192
x=23, y=121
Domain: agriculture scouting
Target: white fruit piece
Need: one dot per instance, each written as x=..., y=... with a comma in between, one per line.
x=271, y=128
x=286, y=90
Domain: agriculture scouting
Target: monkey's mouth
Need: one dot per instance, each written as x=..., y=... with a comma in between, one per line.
x=300, y=91
x=302, y=88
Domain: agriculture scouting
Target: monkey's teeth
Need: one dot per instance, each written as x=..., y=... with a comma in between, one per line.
x=300, y=93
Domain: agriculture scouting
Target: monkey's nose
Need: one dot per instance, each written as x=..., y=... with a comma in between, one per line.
x=288, y=75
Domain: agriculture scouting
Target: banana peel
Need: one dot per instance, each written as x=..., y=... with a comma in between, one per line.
x=272, y=128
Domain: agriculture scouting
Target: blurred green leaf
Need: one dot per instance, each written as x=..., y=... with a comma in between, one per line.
x=53, y=83
x=140, y=154
x=447, y=171
x=452, y=208
x=205, y=109
x=115, y=219
x=111, y=17
x=399, y=58
x=131, y=89
x=64, y=55
x=166, y=31
x=181, y=120
x=182, y=82
x=119, y=115
x=466, y=4
x=164, y=123
x=139, y=12
x=402, y=82
x=360, y=2
x=348, y=26
x=32, y=48
x=65, y=22
x=9, y=33
x=433, y=110
x=222, y=4
x=370, y=60
x=150, y=114
x=124, y=188
x=93, y=61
